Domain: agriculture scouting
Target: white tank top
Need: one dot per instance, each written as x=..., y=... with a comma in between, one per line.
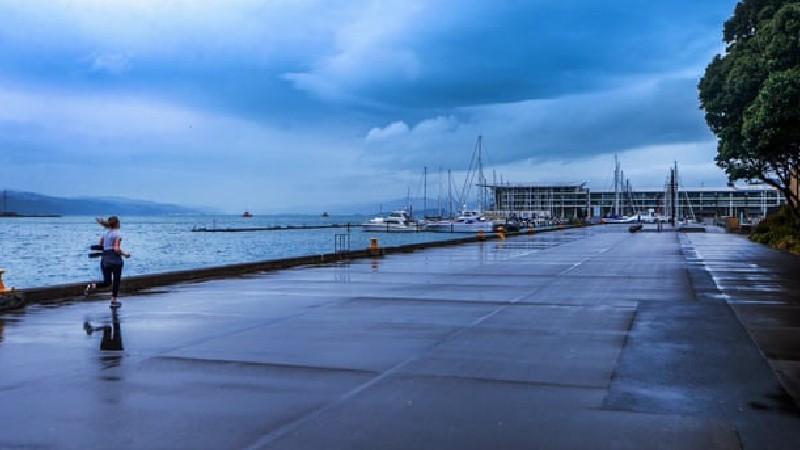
x=109, y=238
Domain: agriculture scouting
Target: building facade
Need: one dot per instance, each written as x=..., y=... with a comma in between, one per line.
x=575, y=200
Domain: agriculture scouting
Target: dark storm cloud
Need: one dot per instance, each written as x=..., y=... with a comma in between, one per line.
x=442, y=54
x=330, y=90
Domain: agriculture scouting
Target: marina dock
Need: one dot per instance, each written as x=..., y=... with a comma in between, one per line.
x=581, y=338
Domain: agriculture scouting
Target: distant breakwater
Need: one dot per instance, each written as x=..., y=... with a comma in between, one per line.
x=272, y=228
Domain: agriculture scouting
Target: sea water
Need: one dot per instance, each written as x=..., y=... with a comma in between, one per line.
x=39, y=252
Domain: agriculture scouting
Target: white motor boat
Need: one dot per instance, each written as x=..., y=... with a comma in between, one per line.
x=618, y=219
x=395, y=222
x=637, y=218
x=467, y=222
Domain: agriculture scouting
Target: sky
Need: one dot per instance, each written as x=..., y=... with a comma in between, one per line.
x=297, y=105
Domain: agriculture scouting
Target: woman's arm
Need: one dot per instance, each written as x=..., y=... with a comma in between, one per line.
x=118, y=248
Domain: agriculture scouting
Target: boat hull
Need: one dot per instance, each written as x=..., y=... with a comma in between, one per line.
x=376, y=228
x=455, y=227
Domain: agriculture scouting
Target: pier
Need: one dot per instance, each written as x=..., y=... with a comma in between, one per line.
x=579, y=338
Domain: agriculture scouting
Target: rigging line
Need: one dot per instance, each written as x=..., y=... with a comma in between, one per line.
x=468, y=177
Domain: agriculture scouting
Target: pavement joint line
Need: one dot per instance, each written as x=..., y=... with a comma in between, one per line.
x=502, y=381
x=490, y=302
x=759, y=302
x=625, y=339
x=266, y=365
x=577, y=264
x=444, y=275
x=265, y=323
x=392, y=283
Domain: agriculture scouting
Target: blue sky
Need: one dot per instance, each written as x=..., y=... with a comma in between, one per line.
x=292, y=105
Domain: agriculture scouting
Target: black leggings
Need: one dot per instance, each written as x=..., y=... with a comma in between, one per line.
x=111, y=277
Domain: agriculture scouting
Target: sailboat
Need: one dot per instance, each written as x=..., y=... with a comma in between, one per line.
x=469, y=221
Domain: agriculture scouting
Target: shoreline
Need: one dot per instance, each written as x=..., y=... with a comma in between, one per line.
x=74, y=291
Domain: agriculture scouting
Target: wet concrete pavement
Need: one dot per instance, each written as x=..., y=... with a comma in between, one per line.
x=586, y=338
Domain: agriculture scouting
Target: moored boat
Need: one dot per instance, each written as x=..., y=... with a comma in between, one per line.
x=395, y=222
x=467, y=222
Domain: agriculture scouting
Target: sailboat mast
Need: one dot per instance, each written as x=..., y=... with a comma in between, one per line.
x=616, y=186
x=408, y=203
x=494, y=183
x=672, y=206
x=629, y=195
x=481, y=179
x=677, y=193
x=621, y=192
x=439, y=194
x=424, y=191
x=449, y=194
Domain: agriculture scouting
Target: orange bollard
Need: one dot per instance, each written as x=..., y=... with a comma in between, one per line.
x=374, y=248
x=3, y=286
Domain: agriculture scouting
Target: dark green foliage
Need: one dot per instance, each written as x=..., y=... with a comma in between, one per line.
x=779, y=230
x=751, y=95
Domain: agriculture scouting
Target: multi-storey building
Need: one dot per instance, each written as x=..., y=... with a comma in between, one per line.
x=577, y=200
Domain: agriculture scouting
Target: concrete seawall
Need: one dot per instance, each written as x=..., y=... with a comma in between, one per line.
x=62, y=292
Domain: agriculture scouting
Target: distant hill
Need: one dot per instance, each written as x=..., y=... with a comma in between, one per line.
x=32, y=203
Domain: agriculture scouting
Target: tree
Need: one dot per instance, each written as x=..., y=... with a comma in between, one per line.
x=751, y=95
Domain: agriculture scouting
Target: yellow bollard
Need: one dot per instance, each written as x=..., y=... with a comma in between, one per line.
x=501, y=233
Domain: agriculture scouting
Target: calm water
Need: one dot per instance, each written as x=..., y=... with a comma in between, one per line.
x=45, y=251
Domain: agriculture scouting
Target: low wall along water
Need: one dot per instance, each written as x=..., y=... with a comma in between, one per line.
x=73, y=291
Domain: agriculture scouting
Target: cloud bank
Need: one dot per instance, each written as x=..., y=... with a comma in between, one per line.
x=285, y=105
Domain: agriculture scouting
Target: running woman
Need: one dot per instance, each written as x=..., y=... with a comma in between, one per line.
x=111, y=262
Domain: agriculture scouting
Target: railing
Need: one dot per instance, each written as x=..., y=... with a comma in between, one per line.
x=341, y=242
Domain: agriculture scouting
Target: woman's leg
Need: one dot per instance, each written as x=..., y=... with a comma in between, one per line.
x=117, y=275
x=107, y=271
x=106, y=280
